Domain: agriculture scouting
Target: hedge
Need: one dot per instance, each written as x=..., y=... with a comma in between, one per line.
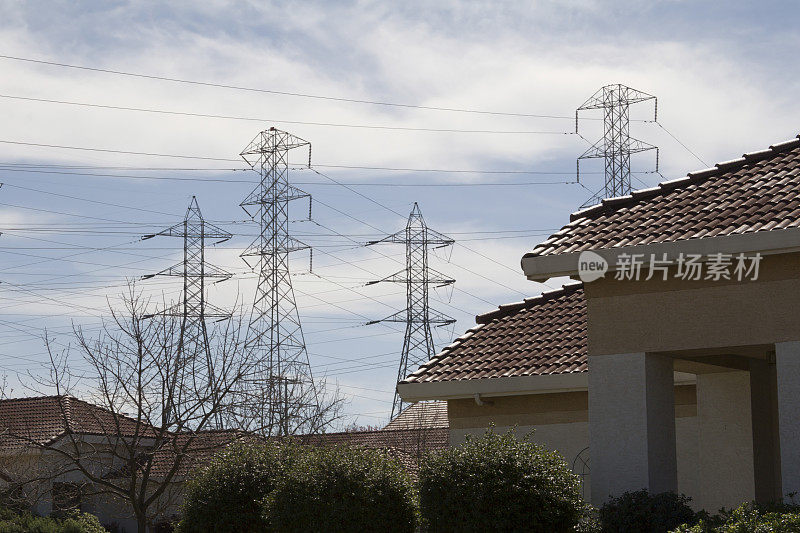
x=342, y=489
x=13, y=522
x=639, y=511
x=499, y=483
x=226, y=496
x=750, y=518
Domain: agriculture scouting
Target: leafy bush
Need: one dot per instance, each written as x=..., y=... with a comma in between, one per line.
x=498, y=483
x=640, y=511
x=12, y=522
x=750, y=518
x=342, y=489
x=226, y=495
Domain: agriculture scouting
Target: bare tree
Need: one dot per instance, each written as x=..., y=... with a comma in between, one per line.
x=151, y=404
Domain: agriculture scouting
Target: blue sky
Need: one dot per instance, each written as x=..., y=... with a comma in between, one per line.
x=725, y=74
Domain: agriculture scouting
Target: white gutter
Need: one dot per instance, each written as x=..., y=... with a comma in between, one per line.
x=538, y=268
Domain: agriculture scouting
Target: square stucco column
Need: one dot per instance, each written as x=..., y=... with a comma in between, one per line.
x=725, y=440
x=631, y=424
x=787, y=365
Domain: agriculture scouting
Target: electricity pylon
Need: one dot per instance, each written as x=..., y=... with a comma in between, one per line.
x=617, y=145
x=418, y=346
x=281, y=391
x=194, y=355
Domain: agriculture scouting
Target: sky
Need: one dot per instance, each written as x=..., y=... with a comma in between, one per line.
x=509, y=74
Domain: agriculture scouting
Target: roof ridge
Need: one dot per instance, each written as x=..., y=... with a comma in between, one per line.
x=512, y=308
x=612, y=204
x=31, y=398
x=66, y=408
x=373, y=431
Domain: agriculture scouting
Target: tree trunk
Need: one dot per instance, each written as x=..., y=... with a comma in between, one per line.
x=141, y=521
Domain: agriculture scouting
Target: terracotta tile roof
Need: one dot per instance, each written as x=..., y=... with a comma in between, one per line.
x=541, y=335
x=35, y=421
x=421, y=415
x=407, y=445
x=402, y=439
x=758, y=192
x=203, y=446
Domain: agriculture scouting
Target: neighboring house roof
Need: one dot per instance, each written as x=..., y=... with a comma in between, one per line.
x=40, y=420
x=758, y=192
x=425, y=415
x=402, y=439
x=407, y=445
x=541, y=335
x=202, y=446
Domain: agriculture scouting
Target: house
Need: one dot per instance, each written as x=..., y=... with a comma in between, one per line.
x=675, y=364
x=37, y=434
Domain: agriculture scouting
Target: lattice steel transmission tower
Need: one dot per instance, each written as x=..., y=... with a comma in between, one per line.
x=418, y=346
x=617, y=145
x=193, y=309
x=282, y=390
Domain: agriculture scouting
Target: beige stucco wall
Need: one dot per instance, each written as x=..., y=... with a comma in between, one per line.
x=560, y=422
x=726, y=440
x=656, y=315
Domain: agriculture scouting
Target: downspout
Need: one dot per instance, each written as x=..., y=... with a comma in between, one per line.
x=479, y=402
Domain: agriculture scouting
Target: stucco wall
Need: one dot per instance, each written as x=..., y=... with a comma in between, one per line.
x=560, y=422
x=726, y=440
x=656, y=315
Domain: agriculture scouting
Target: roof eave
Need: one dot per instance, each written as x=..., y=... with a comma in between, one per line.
x=537, y=268
x=508, y=386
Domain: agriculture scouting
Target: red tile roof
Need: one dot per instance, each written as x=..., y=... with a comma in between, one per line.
x=26, y=422
x=424, y=415
x=202, y=446
x=407, y=445
x=37, y=421
x=758, y=192
x=541, y=335
x=403, y=439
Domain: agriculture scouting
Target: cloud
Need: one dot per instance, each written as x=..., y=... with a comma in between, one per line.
x=725, y=77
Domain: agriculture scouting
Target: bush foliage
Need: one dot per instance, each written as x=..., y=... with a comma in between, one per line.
x=226, y=495
x=342, y=489
x=640, y=511
x=13, y=522
x=498, y=483
x=750, y=518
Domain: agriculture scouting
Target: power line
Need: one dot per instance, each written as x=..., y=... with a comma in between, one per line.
x=279, y=121
x=110, y=151
x=281, y=93
x=121, y=206
x=29, y=167
x=679, y=142
x=352, y=184
x=398, y=214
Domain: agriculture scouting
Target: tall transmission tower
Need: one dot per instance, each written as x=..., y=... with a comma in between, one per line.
x=194, y=353
x=282, y=390
x=418, y=346
x=617, y=145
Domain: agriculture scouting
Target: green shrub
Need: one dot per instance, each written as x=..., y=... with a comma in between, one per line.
x=226, y=495
x=750, y=518
x=642, y=512
x=497, y=483
x=342, y=489
x=12, y=522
